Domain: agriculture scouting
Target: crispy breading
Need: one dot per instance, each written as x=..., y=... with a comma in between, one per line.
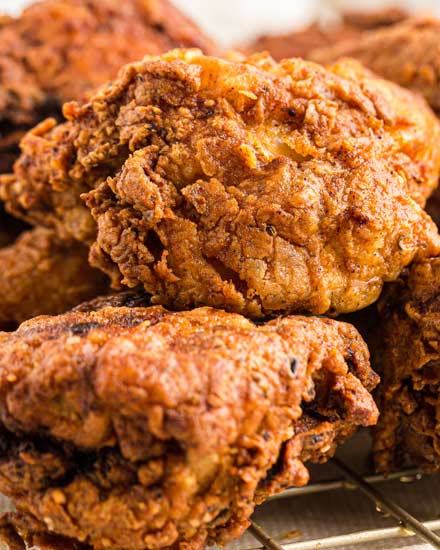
x=301, y=43
x=408, y=356
x=251, y=186
x=39, y=274
x=407, y=53
x=58, y=50
x=136, y=428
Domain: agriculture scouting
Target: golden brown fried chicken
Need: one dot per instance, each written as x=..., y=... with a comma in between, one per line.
x=135, y=428
x=407, y=53
x=58, y=50
x=409, y=359
x=251, y=186
x=300, y=43
x=10, y=229
x=39, y=274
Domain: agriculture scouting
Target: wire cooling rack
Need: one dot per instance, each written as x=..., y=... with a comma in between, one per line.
x=341, y=509
x=406, y=524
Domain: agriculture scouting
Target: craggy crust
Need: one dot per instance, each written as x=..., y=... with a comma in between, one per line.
x=407, y=53
x=58, y=50
x=409, y=357
x=254, y=187
x=132, y=427
x=302, y=42
x=39, y=274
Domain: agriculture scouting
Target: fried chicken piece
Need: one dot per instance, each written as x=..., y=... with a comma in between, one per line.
x=368, y=20
x=39, y=274
x=10, y=229
x=407, y=53
x=251, y=186
x=408, y=357
x=132, y=427
x=58, y=50
x=301, y=42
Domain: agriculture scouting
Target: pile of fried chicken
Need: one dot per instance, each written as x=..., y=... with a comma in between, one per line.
x=180, y=229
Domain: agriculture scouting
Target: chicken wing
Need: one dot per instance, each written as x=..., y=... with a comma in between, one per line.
x=136, y=428
x=59, y=50
x=39, y=274
x=251, y=186
x=408, y=357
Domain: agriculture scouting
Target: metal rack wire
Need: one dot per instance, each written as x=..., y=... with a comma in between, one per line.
x=406, y=524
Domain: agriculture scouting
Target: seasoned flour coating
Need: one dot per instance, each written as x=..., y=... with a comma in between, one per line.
x=129, y=427
x=408, y=54
x=408, y=356
x=251, y=186
x=59, y=50
x=39, y=274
